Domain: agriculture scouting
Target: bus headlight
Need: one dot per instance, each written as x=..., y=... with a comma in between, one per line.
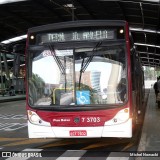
x=121, y=117
x=35, y=119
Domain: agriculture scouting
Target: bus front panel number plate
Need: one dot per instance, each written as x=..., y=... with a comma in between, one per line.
x=78, y=133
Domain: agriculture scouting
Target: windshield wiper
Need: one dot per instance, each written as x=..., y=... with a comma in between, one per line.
x=57, y=59
x=89, y=59
x=80, y=73
x=85, y=64
x=61, y=67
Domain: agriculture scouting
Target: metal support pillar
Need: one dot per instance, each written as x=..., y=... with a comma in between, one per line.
x=1, y=72
x=6, y=68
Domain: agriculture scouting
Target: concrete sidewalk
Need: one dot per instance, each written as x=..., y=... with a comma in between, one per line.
x=150, y=138
x=8, y=98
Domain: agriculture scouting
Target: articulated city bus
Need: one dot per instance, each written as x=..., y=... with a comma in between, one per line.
x=83, y=80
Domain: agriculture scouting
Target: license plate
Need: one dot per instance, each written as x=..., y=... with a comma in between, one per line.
x=78, y=133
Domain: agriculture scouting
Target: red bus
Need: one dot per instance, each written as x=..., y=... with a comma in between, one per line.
x=80, y=80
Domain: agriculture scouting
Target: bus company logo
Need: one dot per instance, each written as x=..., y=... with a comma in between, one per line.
x=61, y=120
x=56, y=120
x=65, y=120
x=77, y=120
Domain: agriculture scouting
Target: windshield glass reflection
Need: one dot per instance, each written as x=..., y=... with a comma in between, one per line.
x=84, y=76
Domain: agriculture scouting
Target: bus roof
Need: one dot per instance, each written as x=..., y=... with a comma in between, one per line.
x=75, y=24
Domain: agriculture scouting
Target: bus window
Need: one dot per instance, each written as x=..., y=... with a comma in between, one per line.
x=99, y=82
x=49, y=81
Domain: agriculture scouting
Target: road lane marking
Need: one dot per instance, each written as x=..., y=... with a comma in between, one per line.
x=19, y=116
x=12, y=126
x=16, y=126
x=72, y=155
x=13, y=116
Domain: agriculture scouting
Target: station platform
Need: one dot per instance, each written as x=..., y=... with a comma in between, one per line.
x=7, y=98
x=150, y=138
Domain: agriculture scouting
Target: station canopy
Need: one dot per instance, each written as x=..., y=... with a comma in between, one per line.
x=143, y=17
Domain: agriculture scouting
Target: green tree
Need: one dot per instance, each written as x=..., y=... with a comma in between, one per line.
x=39, y=84
x=149, y=73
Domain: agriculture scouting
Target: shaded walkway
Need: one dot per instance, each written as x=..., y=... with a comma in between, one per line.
x=150, y=139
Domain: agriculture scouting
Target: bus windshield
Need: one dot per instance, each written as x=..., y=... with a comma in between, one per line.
x=77, y=76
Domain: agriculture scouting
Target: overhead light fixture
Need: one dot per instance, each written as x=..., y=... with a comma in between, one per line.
x=10, y=1
x=14, y=39
x=10, y=60
x=69, y=5
x=143, y=30
x=151, y=1
x=148, y=45
x=110, y=0
x=131, y=1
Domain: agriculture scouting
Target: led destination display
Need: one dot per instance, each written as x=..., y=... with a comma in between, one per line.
x=100, y=34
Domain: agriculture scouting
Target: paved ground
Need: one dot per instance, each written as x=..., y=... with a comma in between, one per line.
x=150, y=139
x=7, y=98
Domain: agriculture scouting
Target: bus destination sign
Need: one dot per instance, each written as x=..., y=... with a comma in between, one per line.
x=101, y=34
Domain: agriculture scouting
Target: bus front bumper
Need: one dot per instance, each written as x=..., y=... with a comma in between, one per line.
x=123, y=130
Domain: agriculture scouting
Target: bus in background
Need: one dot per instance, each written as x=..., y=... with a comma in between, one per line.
x=80, y=80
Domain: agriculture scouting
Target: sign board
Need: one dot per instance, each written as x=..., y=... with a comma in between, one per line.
x=83, y=97
x=79, y=35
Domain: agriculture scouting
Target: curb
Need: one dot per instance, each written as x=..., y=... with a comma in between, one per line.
x=12, y=99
